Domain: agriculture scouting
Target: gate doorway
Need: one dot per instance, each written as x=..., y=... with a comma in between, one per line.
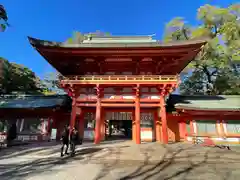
x=118, y=125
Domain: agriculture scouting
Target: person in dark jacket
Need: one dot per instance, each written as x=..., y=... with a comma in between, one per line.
x=65, y=140
x=74, y=138
x=12, y=133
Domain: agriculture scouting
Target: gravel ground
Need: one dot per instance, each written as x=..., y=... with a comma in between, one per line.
x=122, y=160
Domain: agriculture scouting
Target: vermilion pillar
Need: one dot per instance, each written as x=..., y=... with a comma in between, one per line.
x=220, y=127
x=157, y=127
x=74, y=95
x=164, y=120
x=98, y=128
x=49, y=126
x=73, y=113
x=191, y=127
x=193, y=130
x=224, y=128
x=103, y=124
x=54, y=122
x=182, y=128
x=81, y=124
x=137, y=116
x=133, y=127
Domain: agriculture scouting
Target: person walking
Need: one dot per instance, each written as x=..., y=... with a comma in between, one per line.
x=12, y=134
x=65, y=140
x=74, y=138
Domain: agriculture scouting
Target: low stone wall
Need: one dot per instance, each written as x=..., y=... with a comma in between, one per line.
x=24, y=138
x=233, y=141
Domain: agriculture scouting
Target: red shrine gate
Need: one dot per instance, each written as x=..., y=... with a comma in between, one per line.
x=100, y=105
x=106, y=74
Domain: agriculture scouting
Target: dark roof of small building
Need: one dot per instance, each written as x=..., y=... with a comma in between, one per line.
x=218, y=103
x=33, y=101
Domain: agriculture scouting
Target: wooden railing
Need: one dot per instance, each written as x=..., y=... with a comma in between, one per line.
x=122, y=78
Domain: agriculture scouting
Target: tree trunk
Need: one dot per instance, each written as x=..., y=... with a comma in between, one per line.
x=209, y=84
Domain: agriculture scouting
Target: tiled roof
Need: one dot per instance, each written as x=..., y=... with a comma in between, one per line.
x=114, y=44
x=224, y=103
x=31, y=101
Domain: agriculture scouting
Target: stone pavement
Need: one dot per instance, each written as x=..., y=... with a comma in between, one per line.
x=125, y=160
x=45, y=150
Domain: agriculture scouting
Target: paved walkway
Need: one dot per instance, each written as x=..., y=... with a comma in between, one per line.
x=124, y=160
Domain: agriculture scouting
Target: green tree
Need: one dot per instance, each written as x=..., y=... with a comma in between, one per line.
x=18, y=79
x=3, y=18
x=216, y=63
x=78, y=37
x=51, y=82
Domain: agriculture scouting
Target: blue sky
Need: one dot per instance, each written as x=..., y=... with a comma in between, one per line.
x=57, y=19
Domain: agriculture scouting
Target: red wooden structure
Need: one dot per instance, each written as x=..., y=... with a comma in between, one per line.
x=206, y=118
x=33, y=115
x=137, y=71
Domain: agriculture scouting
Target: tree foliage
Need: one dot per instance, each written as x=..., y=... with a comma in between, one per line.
x=3, y=18
x=214, y=70
x=78, y=37
x=16, y=78
x=51, y=82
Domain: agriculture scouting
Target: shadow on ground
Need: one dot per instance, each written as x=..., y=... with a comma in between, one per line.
x=158, y=161
x=20, y=171
x=175, y=163
x=25, y=149
x=46, y=148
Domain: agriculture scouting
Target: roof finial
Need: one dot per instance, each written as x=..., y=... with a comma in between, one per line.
x=152, y=35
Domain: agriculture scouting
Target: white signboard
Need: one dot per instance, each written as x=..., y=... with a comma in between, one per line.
x=146, y=135
x=89, y=134
x=54, y=134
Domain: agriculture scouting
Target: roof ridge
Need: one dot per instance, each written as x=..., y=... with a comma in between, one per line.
x=39, y=42
x=122, y=36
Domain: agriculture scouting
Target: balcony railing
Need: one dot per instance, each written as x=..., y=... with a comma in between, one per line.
x=120, y=79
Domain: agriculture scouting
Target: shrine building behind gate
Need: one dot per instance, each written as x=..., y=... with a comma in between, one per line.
x=125, y=77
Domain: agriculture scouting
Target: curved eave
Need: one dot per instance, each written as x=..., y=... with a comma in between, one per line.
x=58, y=54
x=37, y=43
